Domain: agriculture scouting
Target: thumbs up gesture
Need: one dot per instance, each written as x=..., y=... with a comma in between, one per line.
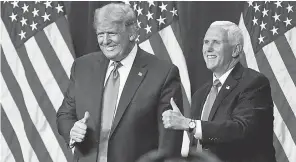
x=173, y=119
x=78, y=131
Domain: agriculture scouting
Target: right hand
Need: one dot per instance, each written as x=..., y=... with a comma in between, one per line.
x=78, y=131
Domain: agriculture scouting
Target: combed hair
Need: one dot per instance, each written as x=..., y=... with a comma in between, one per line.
x=234, y=33
x=117, y=13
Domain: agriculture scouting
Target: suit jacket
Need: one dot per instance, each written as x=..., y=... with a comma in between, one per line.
x=240, y=125
x=137, y=127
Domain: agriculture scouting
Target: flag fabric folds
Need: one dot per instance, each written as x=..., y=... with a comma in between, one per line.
x=159, y=34
x=36, y=57
x=270, y=47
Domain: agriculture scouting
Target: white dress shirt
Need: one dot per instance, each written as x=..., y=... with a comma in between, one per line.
x=222, y=79
x=124, y=71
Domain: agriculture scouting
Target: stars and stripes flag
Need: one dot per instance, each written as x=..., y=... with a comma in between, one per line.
x=36, y=56
x=160, y=35
x=270, y=47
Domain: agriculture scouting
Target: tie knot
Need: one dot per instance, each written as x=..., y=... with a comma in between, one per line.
x=217, y=83
x=116, y=65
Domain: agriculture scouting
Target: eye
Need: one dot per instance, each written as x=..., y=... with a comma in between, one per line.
x=100, y=35
x=217, y=42
x=112, y=34
x=206, y=41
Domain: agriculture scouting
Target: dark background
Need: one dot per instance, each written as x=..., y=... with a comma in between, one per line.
x=194, y=17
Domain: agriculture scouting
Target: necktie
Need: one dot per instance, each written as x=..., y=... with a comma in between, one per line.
x=109, y=106
x=208, y=106
x=210, y=100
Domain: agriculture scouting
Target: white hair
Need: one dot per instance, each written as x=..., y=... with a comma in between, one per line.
x=118, y=13
x=234, y=33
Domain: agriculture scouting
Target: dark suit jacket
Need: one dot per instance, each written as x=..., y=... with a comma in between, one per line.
x=240, y=126
x=137, y=126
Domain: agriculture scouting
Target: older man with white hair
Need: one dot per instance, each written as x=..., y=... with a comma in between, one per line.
x=112, y=108
x=232, y=115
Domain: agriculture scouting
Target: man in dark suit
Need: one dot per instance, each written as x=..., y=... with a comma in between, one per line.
x=119, y=95
x=232, y=115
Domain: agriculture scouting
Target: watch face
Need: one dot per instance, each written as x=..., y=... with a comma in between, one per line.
x=192, y=124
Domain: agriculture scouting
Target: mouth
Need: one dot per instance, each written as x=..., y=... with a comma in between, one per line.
x=110, y=48
x=211, y=56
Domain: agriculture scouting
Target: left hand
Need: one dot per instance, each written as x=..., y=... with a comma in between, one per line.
x=174, y=119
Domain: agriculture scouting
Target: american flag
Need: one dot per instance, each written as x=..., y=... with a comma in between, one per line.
x=160, y=35
x=270, y=47
x=36, y=56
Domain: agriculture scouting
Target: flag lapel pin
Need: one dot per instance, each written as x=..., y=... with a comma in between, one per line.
x=140, y=74
x=228, y=87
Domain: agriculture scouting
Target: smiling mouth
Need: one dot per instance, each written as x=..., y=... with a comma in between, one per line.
x=211, y=56
x=110, y=48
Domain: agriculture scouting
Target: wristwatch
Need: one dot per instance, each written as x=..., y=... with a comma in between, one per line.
x=191, y=125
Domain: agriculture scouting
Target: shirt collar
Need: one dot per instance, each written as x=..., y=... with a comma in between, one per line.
x=129, y=59
x=223, y=78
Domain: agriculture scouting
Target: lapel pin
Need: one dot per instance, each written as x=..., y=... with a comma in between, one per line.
x=227, y=87
x=140, y=74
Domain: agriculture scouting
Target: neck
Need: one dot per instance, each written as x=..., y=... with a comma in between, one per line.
x=218, y=74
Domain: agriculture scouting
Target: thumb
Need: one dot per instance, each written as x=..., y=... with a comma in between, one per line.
x=85, y=118
x=174, y=106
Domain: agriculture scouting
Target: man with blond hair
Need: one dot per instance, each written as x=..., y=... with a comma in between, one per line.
x=232, y=115
x=112, y=108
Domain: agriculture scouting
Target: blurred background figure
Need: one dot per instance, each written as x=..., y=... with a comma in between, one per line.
x=197, y=156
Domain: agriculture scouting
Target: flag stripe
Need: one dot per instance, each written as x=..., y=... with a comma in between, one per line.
x=158, y=47
x=60, y=47
x=279, y=153
x=42, y=99
x=177, y=31
x=176, y=55
x=6, y=154
x=291, y=38
x=43, y=72
x=16, y=115
x=248, y=48
x=146, y=46
x=281, y=74
x=283, y=135
x=53, y=62
x=63, y=27
x=52, y=90
x=278, y=95
x=13, y=150
x=35, y=112
x=288, y=56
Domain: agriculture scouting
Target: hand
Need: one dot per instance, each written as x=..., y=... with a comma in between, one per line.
x=78, y=131
x=174, y=119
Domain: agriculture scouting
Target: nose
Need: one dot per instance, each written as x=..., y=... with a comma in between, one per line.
x=210, y=47
x=106, y=39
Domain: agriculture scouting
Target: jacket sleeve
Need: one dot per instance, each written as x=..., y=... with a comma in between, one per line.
x=66, y=115
x=170, y=141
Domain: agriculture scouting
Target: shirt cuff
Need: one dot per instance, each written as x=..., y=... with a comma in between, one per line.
x=198, y=130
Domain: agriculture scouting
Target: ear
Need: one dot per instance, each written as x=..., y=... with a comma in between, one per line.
x=237, y=50
x=132, y=37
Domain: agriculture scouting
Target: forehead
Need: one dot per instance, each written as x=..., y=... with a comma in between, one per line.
x=109, y=27
x=216, y=32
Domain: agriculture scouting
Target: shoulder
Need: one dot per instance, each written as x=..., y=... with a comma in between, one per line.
x=253, y=77
x=90, y=57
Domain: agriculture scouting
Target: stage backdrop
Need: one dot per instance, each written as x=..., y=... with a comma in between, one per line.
x=40, y=40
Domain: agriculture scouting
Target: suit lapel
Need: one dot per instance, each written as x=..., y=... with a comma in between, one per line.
x=230, y=84
x=98, y=77
x=135, y=77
